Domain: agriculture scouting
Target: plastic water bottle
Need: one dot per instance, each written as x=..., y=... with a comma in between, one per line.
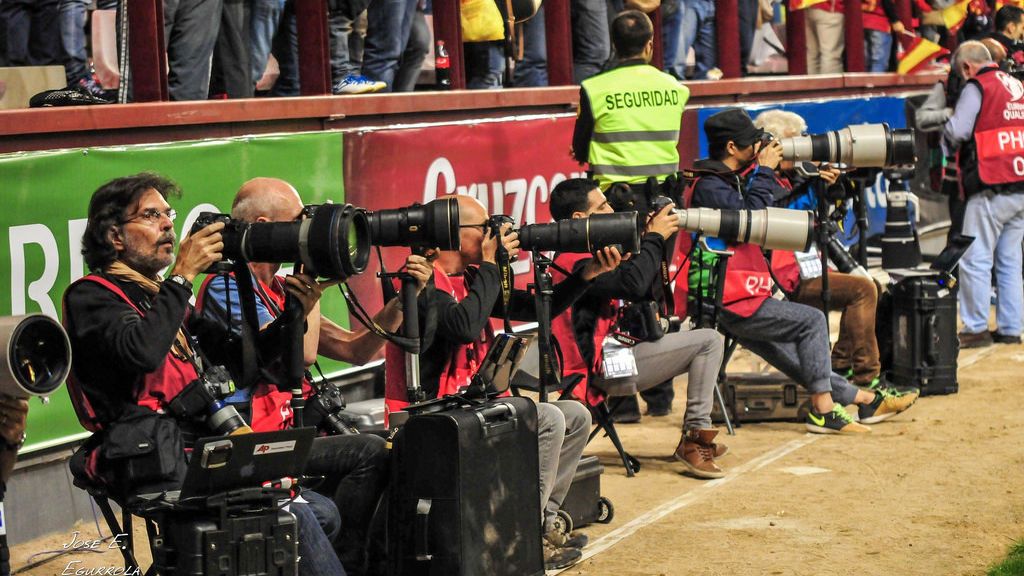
x=442, y=67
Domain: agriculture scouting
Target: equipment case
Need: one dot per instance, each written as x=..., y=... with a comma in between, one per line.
x=925, y=345
x=584, y=503
x=762, y=397
x=465, y=495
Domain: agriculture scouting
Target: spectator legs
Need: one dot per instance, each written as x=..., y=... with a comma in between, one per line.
x=72, y=31
x=339, y=27
x=748, y=10
x=591, y=45
x=416, y=50
x=33, y=32
x=264, y=17
x=389, y=23
x=532, y=71
x=485, y=64
x=877, y=46
x=672, y=32
x=190, y=30
x=232, y=70
x=825, y=42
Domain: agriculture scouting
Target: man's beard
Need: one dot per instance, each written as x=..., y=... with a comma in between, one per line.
x=150, y=261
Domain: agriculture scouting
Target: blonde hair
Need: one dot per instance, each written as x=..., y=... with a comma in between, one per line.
x=780, y=123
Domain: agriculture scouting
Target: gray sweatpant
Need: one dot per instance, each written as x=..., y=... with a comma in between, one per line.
x=696, y=352
x=562, y=430
x=794, y=339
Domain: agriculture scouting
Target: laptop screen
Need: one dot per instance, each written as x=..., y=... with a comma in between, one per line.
x=950, y=256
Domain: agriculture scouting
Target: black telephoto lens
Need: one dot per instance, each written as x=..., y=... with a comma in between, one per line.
x=583, y=235
x=901, y=147
x=431, y=225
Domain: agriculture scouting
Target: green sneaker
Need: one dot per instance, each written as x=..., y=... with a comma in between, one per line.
x=887, y=403
x=838, y=421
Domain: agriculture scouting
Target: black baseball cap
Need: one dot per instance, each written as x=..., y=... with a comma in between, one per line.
x=732, y=124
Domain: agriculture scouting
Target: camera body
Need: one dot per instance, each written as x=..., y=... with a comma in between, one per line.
x=643, y=320
x=324, y=410
x=203, y=399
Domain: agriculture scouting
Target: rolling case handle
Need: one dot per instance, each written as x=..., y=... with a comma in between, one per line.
x=931, y=351
x=496, y=419
x=421, y=536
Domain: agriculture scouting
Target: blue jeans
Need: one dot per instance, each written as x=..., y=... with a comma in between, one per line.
x=485, y=64
x=532, y=70
x=73, y=15
x=318, y=521
x=339, y=27
x=699, y=32
x=672, y=35
x=591, y=41
x=877, y=47
x=286, y=50
x=33, y=32
x=388, y=25
x=997, y=223
x=264, y=19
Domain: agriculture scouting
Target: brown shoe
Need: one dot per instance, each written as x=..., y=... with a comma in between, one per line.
x=696, y=451
x=975, y=340
x=720, y=449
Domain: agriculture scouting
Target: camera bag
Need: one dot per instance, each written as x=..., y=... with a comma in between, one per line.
x=924, y=341
x=143, y=452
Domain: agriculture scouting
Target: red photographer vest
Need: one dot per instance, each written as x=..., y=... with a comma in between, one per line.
x=270, y=409
x=784, y=263
x=573, y=361
x=154, y=390
x=999, y=129
x=748, y=282
x=460, y=366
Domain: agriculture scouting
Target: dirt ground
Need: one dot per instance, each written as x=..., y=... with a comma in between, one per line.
x=934, y=491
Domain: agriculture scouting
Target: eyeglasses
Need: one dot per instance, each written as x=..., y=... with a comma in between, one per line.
x=152, y=216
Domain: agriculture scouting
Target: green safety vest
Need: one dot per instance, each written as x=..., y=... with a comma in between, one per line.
x=637, y=113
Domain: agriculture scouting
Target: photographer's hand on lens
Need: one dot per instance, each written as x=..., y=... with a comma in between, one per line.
x=770, y=155
x=419, y=268
x=13, y=413
x=199, y=251
x=829, y=174
x=604, y=260
x=307, y=290
x=665, y=223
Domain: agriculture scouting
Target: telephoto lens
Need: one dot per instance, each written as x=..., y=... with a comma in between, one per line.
x=431, y=225
x=35, y=355
x=583, y=235
x=770, y=228
x=330, y=241
x=860, y=146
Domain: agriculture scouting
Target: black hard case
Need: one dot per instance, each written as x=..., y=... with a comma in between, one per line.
x=584, y=503
x=925, y=345
x=763, y=397
x=465, y=495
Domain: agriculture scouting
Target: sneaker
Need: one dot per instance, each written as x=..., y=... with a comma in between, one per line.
x=887, y=403
x=1005, y=338
x=560, y=539
x=696, y=450
x=659, y=411
x=358, y=84
x=975, y=340
x=838, y=421
x=92, y=88
x=556, y=558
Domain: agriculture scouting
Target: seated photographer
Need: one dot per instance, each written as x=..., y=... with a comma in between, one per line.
x=354, y=465
x=133, y=354
x=581, y=331
x=855, y=354
x=466, y=295
x=792, y=337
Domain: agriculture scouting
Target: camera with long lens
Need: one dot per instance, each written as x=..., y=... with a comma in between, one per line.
x=840, y=256
x=861, y=146
x=203, y=399
x=769, y=228
x=580, y=235
x=324, y=408
x=431, y=225
x=329, y=240
x=35, y=355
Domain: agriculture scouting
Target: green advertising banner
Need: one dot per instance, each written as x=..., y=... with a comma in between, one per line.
x=45, y=198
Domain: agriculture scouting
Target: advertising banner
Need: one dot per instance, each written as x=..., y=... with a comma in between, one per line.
x=509, y=165
x=45, y=199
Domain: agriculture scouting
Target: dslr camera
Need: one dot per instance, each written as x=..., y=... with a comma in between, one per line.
x=324, y=409
x=576, y=235
x=203, y=400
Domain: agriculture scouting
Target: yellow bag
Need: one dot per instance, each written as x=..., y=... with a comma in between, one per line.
x=481, y=21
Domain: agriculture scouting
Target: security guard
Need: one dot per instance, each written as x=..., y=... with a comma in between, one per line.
x=629, y=116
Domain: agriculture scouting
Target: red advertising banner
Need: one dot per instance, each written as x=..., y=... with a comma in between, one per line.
x=510, y=165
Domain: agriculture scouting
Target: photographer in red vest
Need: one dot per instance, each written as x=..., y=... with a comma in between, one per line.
x=466, y=295
x=740, y=175
x=987, y=127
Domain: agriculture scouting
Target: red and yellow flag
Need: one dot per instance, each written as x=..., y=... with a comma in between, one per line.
x=917, y=54
x=801, y=4
x=1017, y=3
x=955, y=15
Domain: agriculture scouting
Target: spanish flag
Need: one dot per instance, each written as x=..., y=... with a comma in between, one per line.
x=955, y=15
x=1001, y=3
x=917, y=53
x=801, y=4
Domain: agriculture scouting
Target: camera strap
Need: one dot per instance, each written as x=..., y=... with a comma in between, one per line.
x=250, y=324
x=507, y=279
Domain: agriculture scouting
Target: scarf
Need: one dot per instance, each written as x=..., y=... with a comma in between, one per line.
x=150, y=285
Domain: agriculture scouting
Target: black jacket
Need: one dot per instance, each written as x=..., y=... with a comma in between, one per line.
x=720, y=187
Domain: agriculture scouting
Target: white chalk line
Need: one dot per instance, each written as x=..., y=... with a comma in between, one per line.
x=625, y=531
x=977, y=356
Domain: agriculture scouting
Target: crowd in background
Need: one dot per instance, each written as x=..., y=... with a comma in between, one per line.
x=242, y=48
